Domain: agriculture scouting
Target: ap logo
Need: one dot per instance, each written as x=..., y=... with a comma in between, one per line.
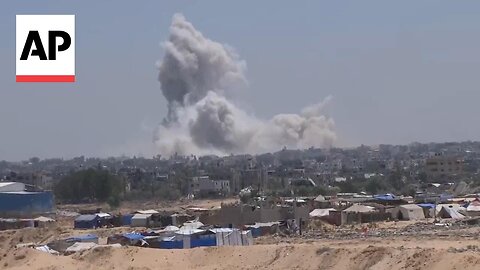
x=45, y=48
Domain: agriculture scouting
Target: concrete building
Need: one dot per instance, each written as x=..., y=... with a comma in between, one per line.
x=439, y=166
x=203, y=185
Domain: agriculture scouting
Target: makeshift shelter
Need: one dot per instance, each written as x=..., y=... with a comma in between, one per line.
x=319, y=213
x=191, y=238
x=410, y=212
x=47, y=249
x=247, y=238
x=447, y=212
x=13, y=223
x=86, y=222
x=147, y=212
x=473, y=209
x=178, y=219
x=428, y=209
x=140, y=220
x=188, y=236
x=358, y=208
x=168, y=231
x=320, y=198
x=388, y=199
x=90, y=238
x=321, y=202
x=104, y=219
x=192, y=225
x=127, y=239
x=78, y=247
x=171, y=228
x=457, y=207
x=133, y=236
x=232, y=237
x=126, y=220
x=261, y=229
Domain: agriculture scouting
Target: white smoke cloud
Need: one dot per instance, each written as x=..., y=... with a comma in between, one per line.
x=194, y=73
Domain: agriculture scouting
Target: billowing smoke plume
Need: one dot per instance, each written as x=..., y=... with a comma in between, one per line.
x=194, y=74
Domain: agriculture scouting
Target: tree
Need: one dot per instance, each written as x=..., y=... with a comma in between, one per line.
x=89, y=185
x=348, y=187
x=34, y=160
x=374, y=186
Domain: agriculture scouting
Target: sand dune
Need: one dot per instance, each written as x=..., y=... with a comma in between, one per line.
x=439, y=255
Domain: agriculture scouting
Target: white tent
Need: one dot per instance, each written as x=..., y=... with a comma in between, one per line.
x=447, y=212
x=232, y=237
x=147, y=212
x=44, y=219
x=320, y=198
x=473, y=209
x=457, y=207
x=140, y=220
x=411, y=212
x=80, y=246
x=171, y=228
x=47, y=249
x=321, y=212
x=103, y=215
x=192, y=225
x=358, y=208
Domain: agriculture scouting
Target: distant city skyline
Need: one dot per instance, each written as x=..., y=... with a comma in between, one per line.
x=398, y=72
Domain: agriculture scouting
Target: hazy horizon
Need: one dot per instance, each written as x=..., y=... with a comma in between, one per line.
x=398, y=72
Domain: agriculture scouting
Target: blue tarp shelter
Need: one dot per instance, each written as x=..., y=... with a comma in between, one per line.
x=426, y=205
x=86, y=222
x=127, y=220
x=133, y=236
x=385, y=197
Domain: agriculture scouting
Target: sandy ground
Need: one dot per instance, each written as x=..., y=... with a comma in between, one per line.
x=386, y=254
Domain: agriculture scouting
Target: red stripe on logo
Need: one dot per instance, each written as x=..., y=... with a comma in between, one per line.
x=45, y=78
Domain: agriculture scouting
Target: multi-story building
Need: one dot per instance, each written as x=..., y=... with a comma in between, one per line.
x=203, y=185
x=439, y=166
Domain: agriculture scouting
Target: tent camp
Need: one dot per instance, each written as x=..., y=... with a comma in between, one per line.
x=410, y=212
x=358, y=208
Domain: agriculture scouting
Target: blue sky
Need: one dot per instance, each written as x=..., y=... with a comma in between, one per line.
x=398, y=72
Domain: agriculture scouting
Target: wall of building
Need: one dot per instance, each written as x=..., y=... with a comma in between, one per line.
x=438, y=166
x=26, y=204
x=241, y=215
